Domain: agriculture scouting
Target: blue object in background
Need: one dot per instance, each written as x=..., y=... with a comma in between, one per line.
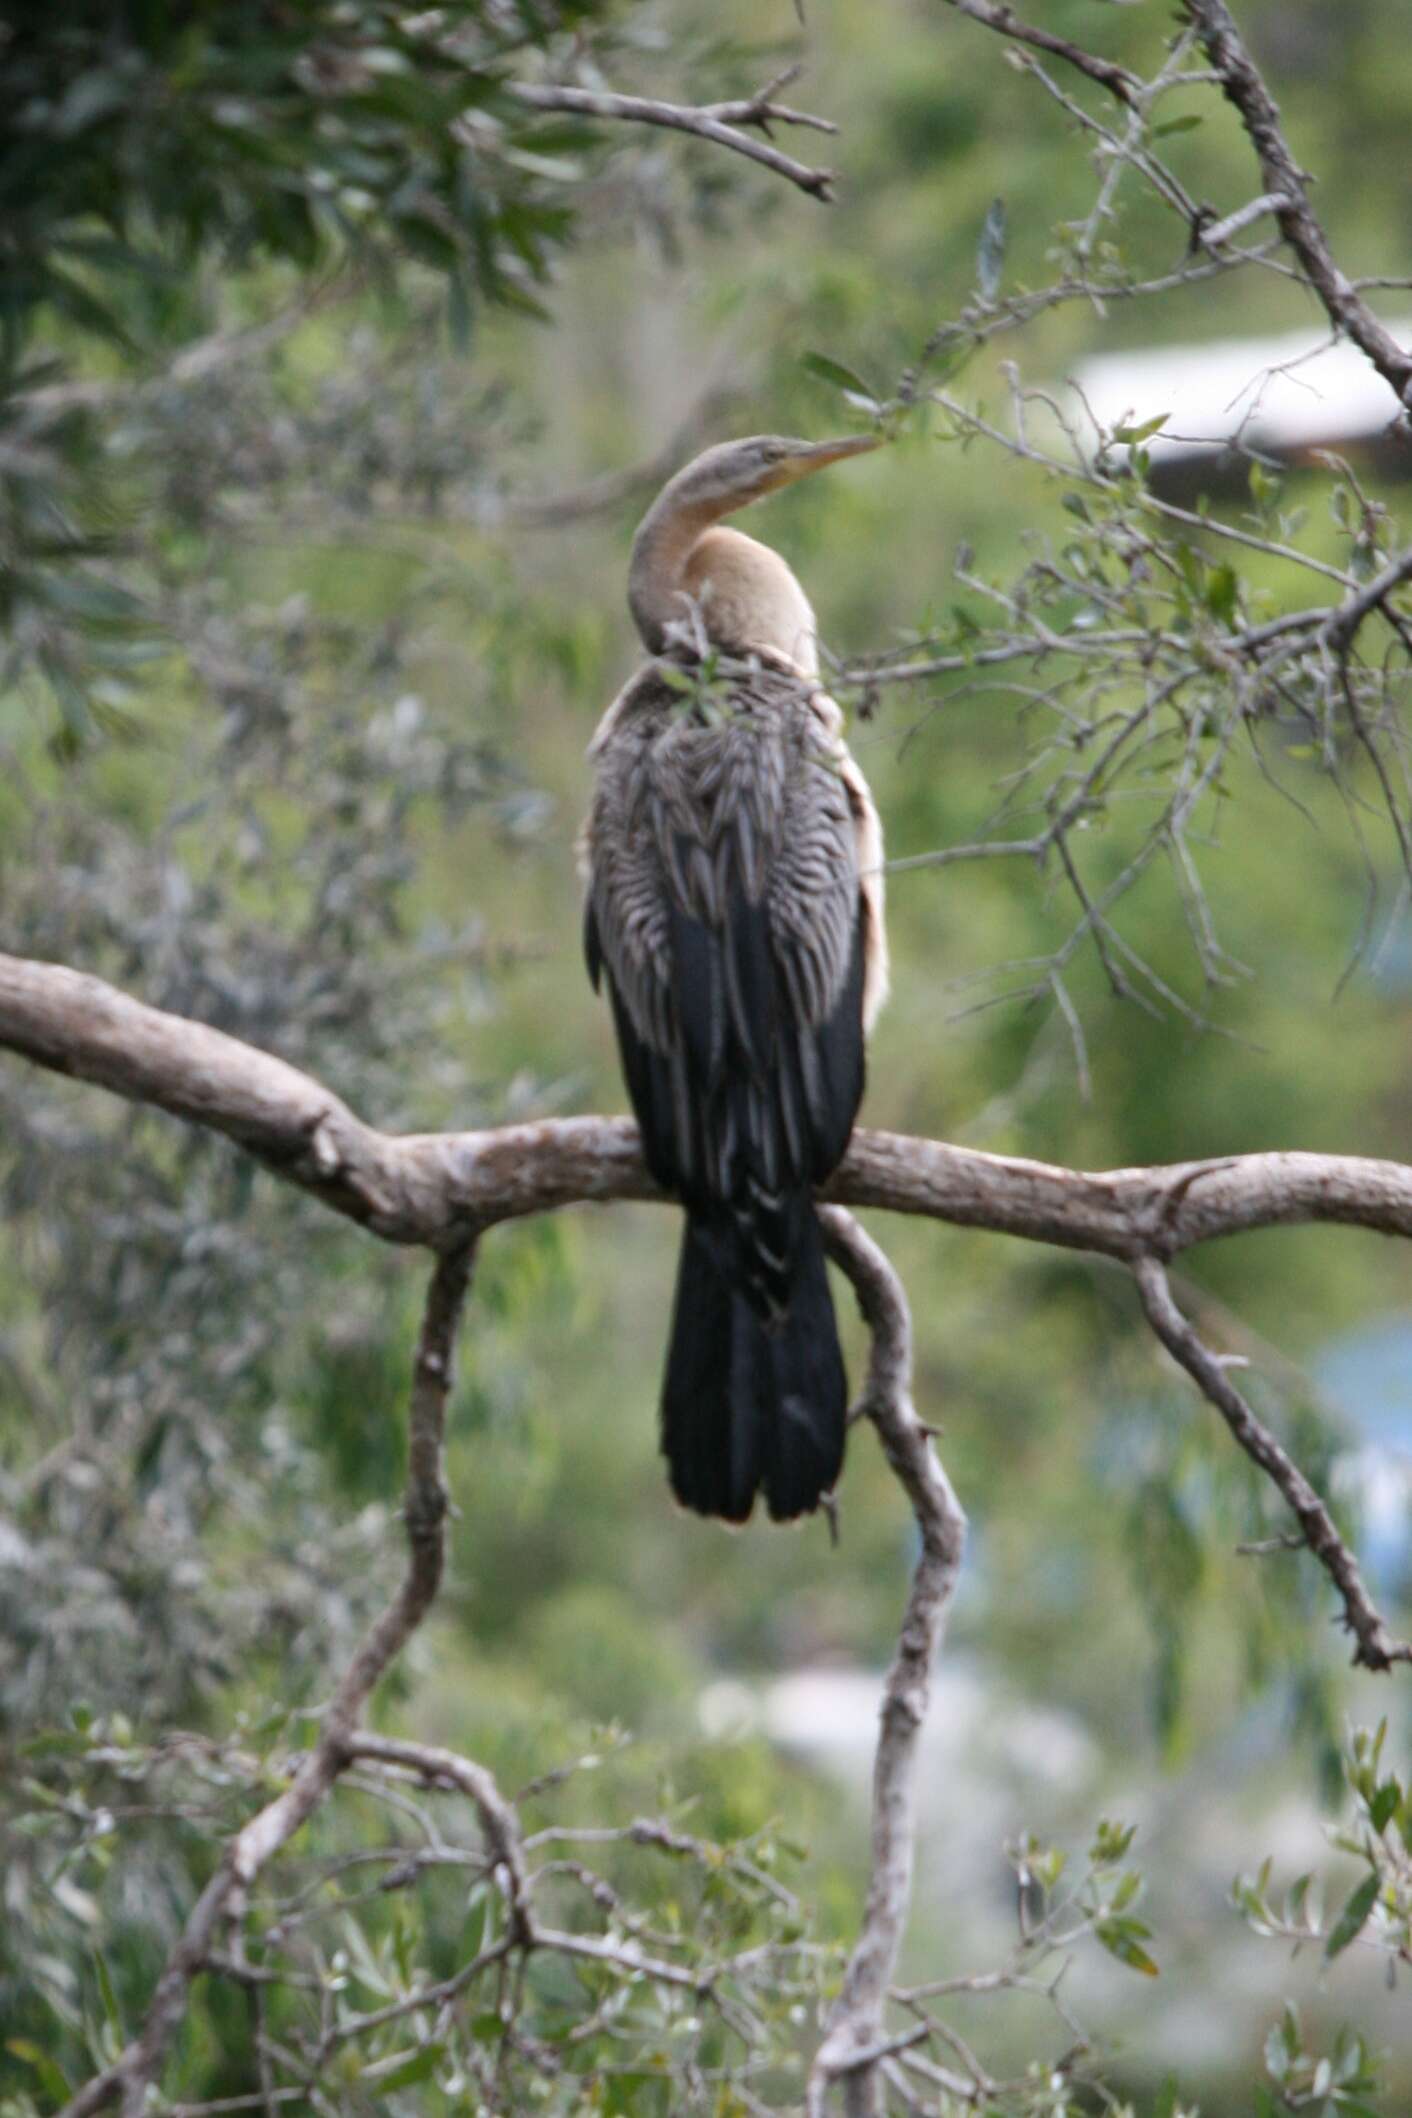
x=1367, y=1373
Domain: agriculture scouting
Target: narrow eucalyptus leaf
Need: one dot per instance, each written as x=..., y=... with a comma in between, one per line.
x=990, y=254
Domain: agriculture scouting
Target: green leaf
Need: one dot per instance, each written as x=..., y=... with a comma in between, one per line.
x=51, y=2076
x=853, y=386
x=1263, y=486
x=1144, y=429
x=110, y=1998
x=1353, y=1918
x=94, y=95
x=1277, y=2056
x=418, y=2066
x=52, y=1743
x=1298, y=1896
x=990, y=254
x=1221, y=591
x=1128, y=1887
x=1383, y=1806
x=1187, y=124
x=1351, y=2068
x=1110, y=1842
x=1124, y=1938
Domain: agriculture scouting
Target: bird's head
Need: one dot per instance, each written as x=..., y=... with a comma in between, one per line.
x=734, y=473
x=663, y=574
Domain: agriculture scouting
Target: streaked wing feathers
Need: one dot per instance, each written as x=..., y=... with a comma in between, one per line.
x=725, y=906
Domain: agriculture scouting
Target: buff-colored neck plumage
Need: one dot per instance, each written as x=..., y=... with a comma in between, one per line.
x=688, y=576
x=750, y=600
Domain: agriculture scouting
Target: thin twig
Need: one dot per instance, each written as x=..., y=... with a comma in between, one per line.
x=1106, y=72
x=438, y=1767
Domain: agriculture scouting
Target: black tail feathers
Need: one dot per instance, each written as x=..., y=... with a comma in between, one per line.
x=748, y=1403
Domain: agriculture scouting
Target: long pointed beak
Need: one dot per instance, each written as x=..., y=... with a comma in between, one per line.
x=813, y=456
x=806, y=457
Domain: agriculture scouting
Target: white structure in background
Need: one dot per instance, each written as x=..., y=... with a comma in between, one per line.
x=1274, y=397
x=995, y=1764
x=992, y=1765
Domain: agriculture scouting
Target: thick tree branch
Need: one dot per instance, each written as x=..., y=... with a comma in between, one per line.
x=854, y=2044
x=428, y=1188
x=1376, y=1647
x=1244, y=86
x=136, y=2070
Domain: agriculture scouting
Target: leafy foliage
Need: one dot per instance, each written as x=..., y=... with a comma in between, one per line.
x=140, y=141
x=1377, y=1911
x=384, y=1958
x=149, y=157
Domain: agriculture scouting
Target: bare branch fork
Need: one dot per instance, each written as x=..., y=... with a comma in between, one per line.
x=1245, y=88
x=1376, y=1649
x=998, y=16
x=222, y=1901
x=438, y=1189
x=721, y=123
x=443, y=1190
x=1286, y=193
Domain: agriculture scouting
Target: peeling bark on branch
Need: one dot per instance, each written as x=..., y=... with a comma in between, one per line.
x=430, y=1188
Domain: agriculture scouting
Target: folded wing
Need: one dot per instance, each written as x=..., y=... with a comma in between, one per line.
x=727, y=909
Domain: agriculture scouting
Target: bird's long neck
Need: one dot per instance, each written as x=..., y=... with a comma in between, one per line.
x=744, y=594
x=660, y=550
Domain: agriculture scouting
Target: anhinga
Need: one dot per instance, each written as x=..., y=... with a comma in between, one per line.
x=735, y=903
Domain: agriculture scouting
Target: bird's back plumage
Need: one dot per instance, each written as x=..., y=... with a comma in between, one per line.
x=727, y=909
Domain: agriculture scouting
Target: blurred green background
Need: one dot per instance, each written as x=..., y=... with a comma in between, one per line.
x=338, y=817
